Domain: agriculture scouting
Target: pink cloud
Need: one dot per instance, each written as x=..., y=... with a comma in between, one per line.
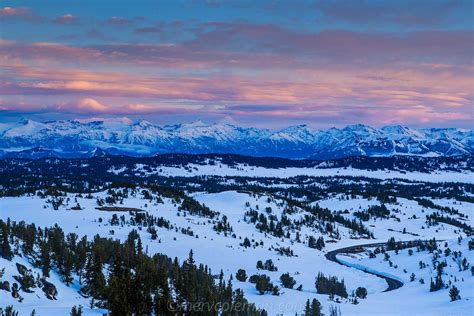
x=337, y=115
x=65, y=19
x=92, y=106
x=244, y=70
x=9, y=11
x=325, y=87
x=89, y=104
x=22, y=13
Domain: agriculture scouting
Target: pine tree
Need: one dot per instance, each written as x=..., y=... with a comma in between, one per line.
x=162, y=298
x=8, y=311
x=241, y=275
x=45, y=258
x=330, y=285
x=287, y=281
x=76, y=311
x=437, y=284
x=320, y=243
x=5, y=248
x=68, y=267
x=315, y=308
x=307, y=309
x=454, y=294
x=191, y=258
x=95, y=280
x=189, y=281
x=262, y=284
x=361, y=292
x=137, y=283
x=119, y=294
x=80, y=257
x=269, y=265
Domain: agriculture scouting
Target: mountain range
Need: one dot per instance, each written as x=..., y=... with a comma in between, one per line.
x=75, y=139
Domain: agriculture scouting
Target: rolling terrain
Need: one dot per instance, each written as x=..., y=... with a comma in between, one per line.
x=261, y=216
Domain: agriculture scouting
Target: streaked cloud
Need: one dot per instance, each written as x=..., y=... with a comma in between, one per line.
x=403, y=12
x=9, y=11
x=374, y=62
x=65, y=19
x=115, y=20
x=20, y=13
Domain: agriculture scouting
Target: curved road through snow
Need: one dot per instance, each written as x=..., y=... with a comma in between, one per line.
x=393, y=284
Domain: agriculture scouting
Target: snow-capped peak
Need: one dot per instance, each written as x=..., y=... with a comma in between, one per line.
x=144, y=124
x=72, y=138
x=402, y=130
x=296, y=133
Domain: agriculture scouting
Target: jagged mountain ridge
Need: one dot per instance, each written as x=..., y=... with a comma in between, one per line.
x=74, y=138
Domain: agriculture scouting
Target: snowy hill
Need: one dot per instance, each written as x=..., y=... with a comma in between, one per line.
x=232, y=223
x=31, y=139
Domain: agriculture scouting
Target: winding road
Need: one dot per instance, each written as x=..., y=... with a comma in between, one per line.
x=393, y=284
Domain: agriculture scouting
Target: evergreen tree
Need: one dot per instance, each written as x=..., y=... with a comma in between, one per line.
x=269, y=265
x=162, y=296
x=8, y=311
x=95, y=280
x=361, y=292
x=80, y=257
x=119, y=294
x=437, y=284
x=330, y=285
x=5, y=248
x=262, y=284
x=315, y=308
x=45, y=258
x=454, y=294
x=137, y=284
x=287, y=281
x=307, y=308
x=76, y=311
x=241, y=275
x=191, y=258
x=67, y=268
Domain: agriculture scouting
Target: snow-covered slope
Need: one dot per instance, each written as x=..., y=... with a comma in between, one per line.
x=225, y=251
x=68, y=296
x=75, y=138
x=234, y=211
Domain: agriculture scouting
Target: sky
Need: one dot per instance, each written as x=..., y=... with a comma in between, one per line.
x=255, y=63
